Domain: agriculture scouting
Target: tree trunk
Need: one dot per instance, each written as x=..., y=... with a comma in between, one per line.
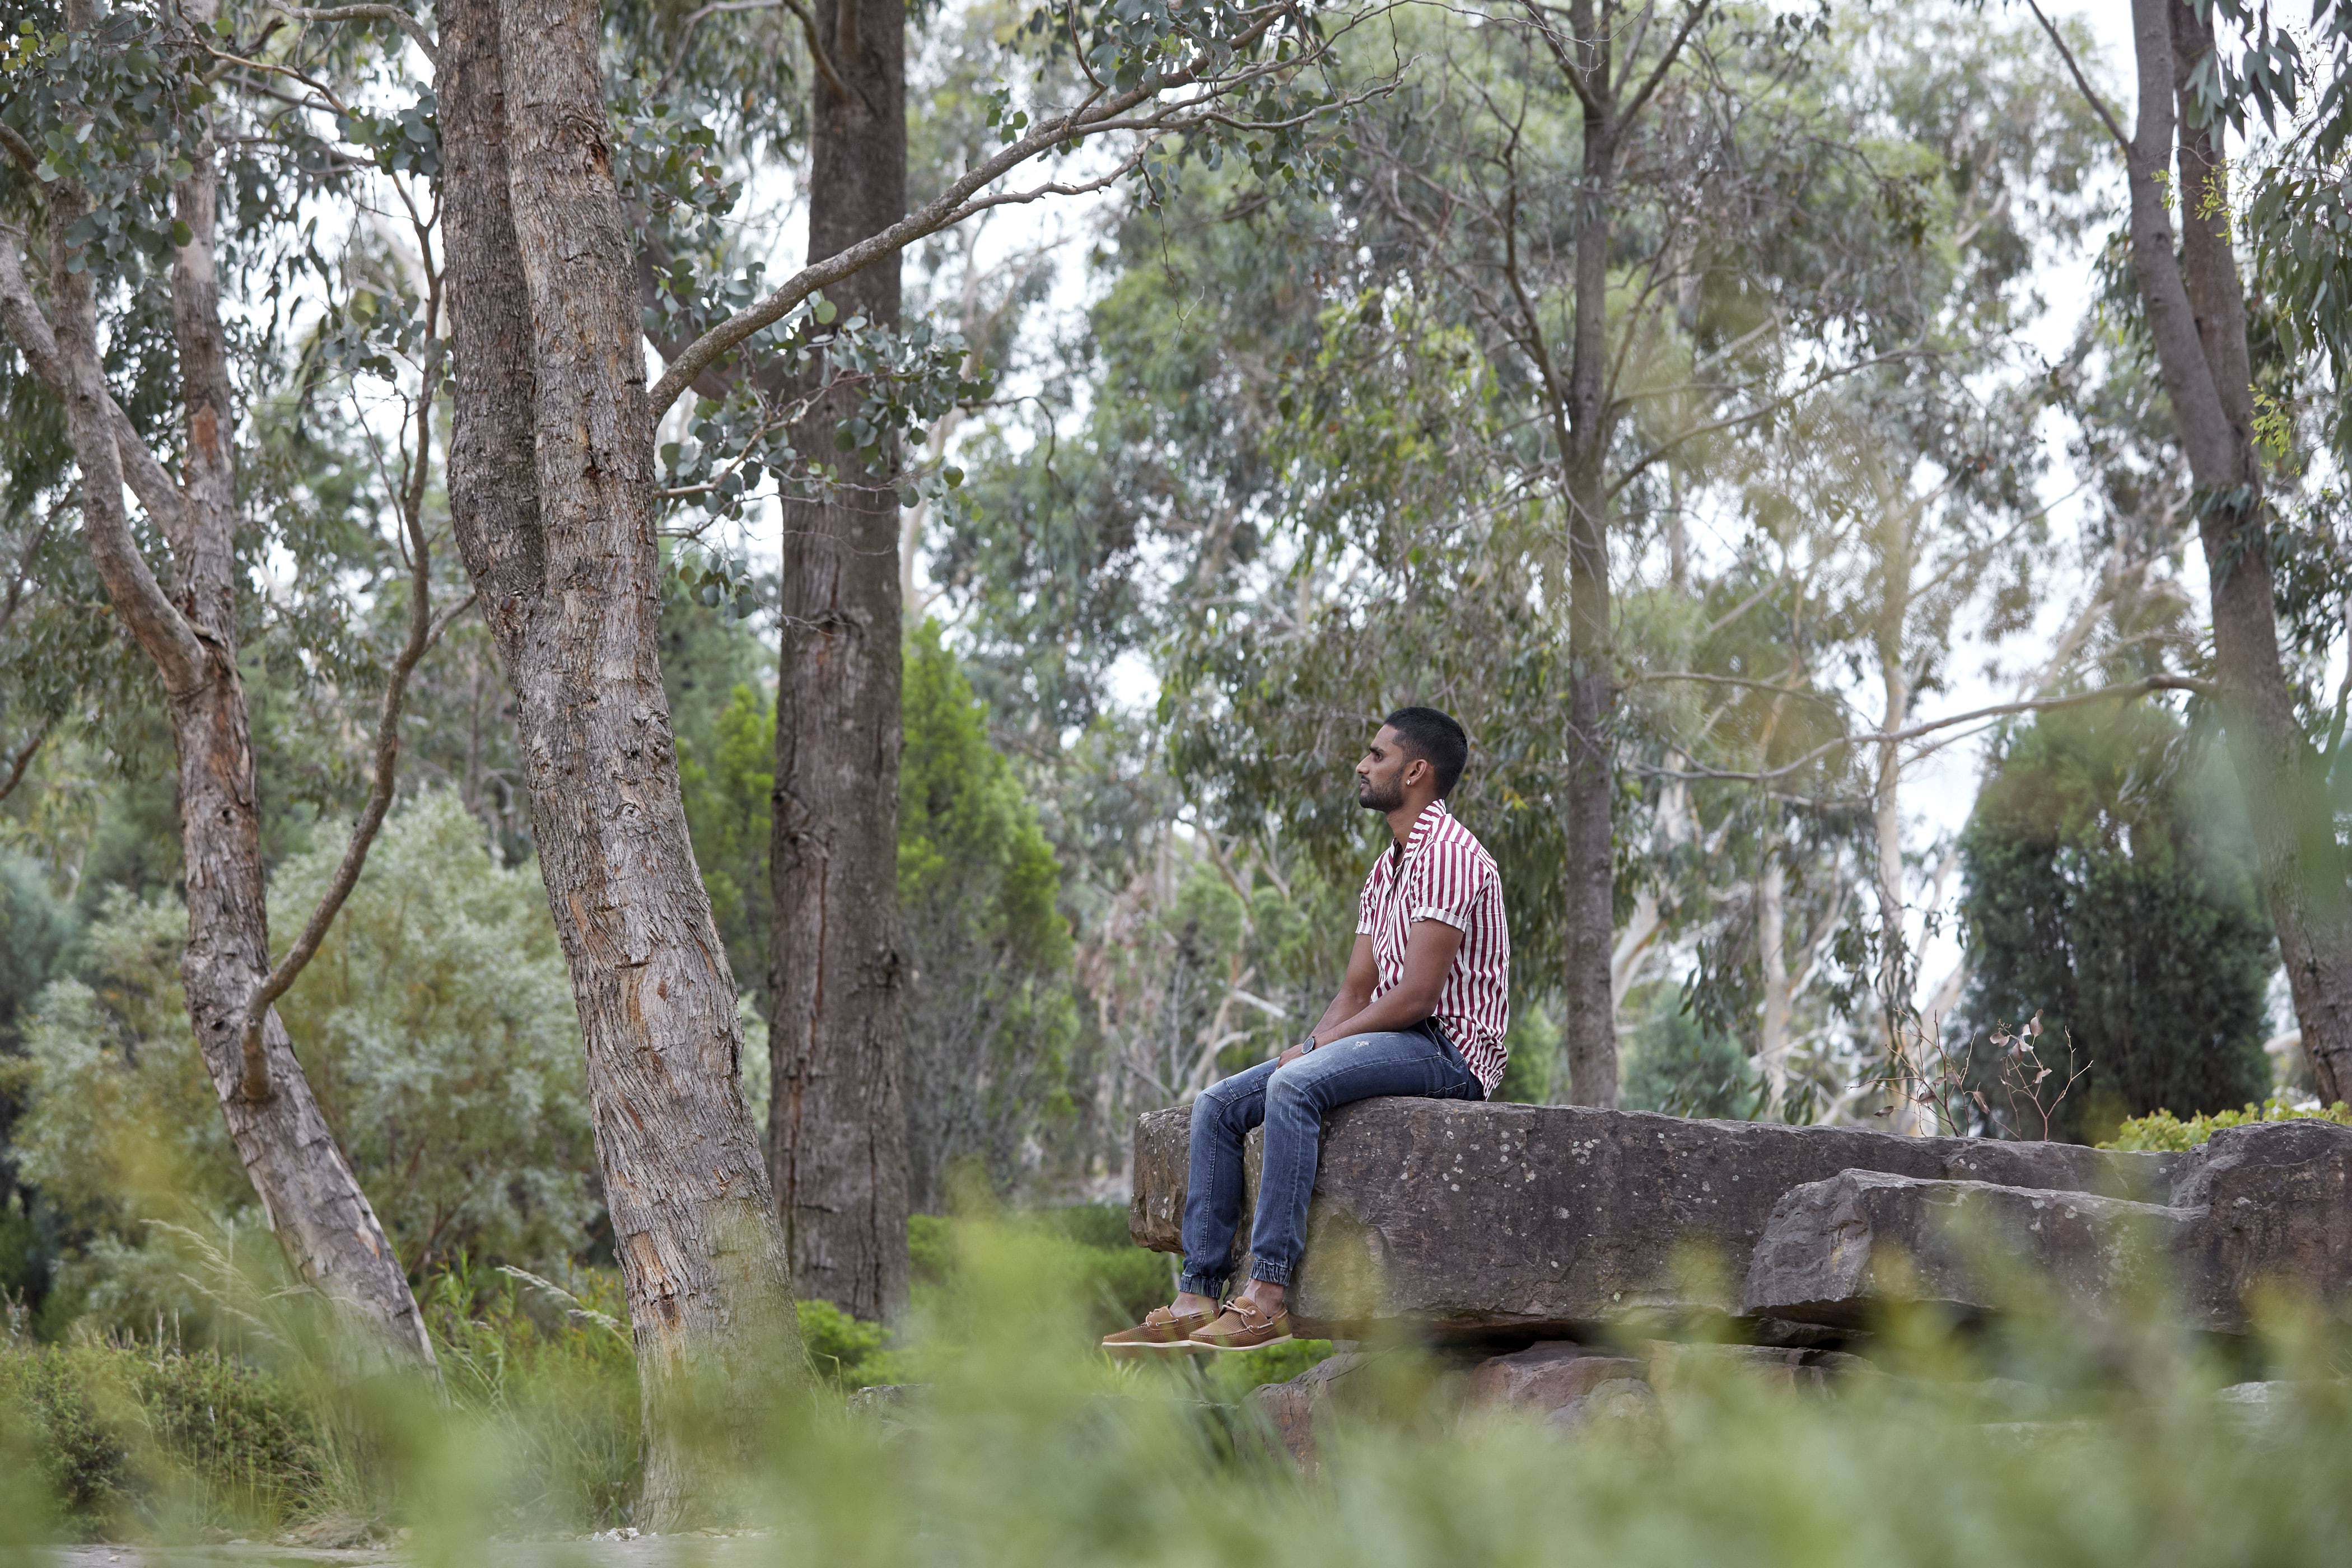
x=2196, y=314
x=1772, y=947
x=563, y=551
x=1589, y=1023
x=308, y=1194
x=1886, y=823
x=836, y=1117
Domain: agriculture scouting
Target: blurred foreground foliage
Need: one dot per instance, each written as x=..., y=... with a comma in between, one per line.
x=161, y=1435
x=1025, y=1448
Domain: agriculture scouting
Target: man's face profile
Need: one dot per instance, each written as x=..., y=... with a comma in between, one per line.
x=1379, y=777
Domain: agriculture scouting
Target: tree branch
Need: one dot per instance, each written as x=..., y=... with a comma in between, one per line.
x=26, y=157
x=951, y=206
x=2123, y=143
x=1666, y=449
x=393, y=13
x=825, y=66
x=21, y=316
x=2141, y=687
x=23, y=760
x=67, y=360
x=1569, y=70
x=1640, y=99
x=2188, y=376
x=423, y=630
x=1776, y=690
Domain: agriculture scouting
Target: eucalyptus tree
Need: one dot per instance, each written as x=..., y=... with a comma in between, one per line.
x=1646, y=221
x=119, y=130
x=837, y=1118
x=2195, y=308
x=557, y=499
x=1535, y=235
x=1794, y=212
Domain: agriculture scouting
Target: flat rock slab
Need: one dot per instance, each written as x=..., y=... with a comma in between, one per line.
x=2277, y=1216
x=1547, y=1220
x=1836, y=1249
x=2259, y=1208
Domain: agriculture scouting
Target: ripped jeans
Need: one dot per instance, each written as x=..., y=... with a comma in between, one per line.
x=1291, y=1100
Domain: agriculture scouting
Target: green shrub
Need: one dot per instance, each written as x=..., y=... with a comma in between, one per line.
x=1680, y=1068
x=1229, y=1378
x=2107, y=890
x=1089, y=1225
x=132, y=1439
x=1031, y=1449
x=930, y=1249
x=1113, y=1281
x=547, y=1370
x=847, y=1352
x=2160, y=1130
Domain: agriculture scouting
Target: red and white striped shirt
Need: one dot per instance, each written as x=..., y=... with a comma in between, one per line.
x=1445, y=873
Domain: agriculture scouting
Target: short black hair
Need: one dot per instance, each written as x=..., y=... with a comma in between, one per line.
x=1436, y=738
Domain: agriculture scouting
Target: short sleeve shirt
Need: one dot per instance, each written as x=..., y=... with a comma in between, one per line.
x=1444, y=873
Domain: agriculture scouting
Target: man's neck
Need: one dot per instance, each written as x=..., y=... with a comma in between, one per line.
x=1401, y=819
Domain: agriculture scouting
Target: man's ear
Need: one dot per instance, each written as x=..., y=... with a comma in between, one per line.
x=1405, y=776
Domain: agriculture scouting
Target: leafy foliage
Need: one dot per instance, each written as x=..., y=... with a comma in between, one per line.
x=1679, y=1067
x=2160, y=1131
x=2108, y=890
x=989, y=1016
x=436, y=1024
x=132, y=1436
x=726, y=773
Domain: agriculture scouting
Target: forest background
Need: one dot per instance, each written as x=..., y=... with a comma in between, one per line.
x=1189, y=484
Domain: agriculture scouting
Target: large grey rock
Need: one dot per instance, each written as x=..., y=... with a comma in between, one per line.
x=1293, y=1410
x=2277, y=1203
x=1374, y=1385
x=1545, y=1376
x=1834, y=1249
x=1675, y=1365
x=1626, y=1407
x=1548, y=1219
x=2259, y=1207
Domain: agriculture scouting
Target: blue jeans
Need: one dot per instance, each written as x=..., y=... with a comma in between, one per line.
x=1291, y=1100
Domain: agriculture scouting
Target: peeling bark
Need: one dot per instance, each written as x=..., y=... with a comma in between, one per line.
x=552, y=487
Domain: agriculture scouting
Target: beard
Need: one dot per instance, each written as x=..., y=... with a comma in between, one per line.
x=1372, y=797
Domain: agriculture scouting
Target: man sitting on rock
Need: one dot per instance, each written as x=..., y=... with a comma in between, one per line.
x=1422, y=1012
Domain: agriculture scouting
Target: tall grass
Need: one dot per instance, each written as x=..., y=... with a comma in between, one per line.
x=1027, y=1448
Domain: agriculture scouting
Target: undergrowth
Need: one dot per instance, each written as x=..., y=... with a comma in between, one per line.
x=1027, y=1447
x=2161, y=1131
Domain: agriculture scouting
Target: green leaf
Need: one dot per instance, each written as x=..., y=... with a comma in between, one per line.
x=825, y=311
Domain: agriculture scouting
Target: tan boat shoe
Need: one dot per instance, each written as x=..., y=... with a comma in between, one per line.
x=1162, y=1329
x=1245, y=1326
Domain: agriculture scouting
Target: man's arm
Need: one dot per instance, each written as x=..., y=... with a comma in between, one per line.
x=1429, y=950
x=1355, y=991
